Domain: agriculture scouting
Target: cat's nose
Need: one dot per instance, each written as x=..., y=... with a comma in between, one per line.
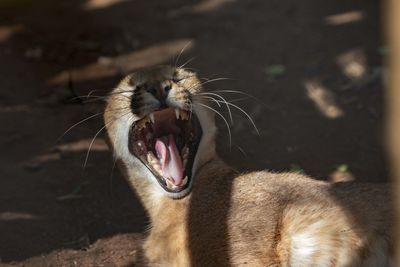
x=160, y=92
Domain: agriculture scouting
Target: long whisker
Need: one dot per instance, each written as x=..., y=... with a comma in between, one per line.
x=180, y=53
x=78, y=123
x=224, y=100
x=238, y=99
x=211, y=98
x=219, y=114
x=91, y=144
x=187, y=62
x=112, y=174
x=246, y=114
x=119, y=91
x=95, y=136
x=86, y=100
x=240, y=92
x=215, y=80
x=207, y=81
x=189, y=104
x=241, y=150
x=87, y=96
x=99, y=97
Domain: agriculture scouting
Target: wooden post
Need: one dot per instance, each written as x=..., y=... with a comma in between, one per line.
x=392, y=31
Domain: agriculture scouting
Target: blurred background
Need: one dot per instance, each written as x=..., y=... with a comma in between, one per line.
x=313, y=70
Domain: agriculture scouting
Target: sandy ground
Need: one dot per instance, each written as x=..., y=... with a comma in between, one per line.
x=314, y=68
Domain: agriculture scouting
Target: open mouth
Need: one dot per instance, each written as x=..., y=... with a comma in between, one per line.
x=166, y=141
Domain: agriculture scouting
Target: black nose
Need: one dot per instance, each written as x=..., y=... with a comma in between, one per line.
x=160, y=93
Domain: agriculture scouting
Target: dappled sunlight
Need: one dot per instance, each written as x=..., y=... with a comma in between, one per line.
x=63, y=197
x=323, y=99
x=345, y=18
x=97, y=4
x=200, y=8
x=43, y=158
x=107, y=67
x=14, y=108
x=210, y=5
x=341, y=176
x=353, y=63
x=99, y=144
x=55, y=153
x=6, y=32
x=12, y=216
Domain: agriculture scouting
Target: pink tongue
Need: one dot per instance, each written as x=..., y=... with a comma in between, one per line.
x=171, y=163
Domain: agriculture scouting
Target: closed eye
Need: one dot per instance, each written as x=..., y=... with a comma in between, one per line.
x=177, y=80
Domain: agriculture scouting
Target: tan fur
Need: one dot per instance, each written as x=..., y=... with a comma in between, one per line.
x=253, y=219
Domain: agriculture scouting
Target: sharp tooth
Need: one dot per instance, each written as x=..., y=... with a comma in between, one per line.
x=157, y=167
x=169, y=184
x=150, y=157
x=185, y=152
x=152, y=117
x=177, y=113
x=184, y=115
x=184, y=181
x=142, y=122
x=153, y=161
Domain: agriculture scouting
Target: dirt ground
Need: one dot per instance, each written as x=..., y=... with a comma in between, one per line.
x=314, y=68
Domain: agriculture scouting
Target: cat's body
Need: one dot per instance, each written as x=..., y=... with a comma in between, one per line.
x=229, y=219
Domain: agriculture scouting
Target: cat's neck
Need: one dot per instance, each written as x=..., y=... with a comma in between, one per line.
x=208, y=177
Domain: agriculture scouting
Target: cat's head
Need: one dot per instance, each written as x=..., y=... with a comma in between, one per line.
x=161, y=128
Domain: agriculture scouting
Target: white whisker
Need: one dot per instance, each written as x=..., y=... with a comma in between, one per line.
x=224, y=100
x=213, y=99
x=78, y=123
x=95, y=136
x=215, y=80
x=187, y=62
x=226, y=122
x=180, y=53
x=246, y=114
x=240, y=92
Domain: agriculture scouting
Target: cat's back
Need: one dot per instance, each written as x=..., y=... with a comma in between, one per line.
x=288, y=219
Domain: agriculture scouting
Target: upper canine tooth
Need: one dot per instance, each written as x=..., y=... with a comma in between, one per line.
x=152, y=117
x=177, y=112
x=184, y=115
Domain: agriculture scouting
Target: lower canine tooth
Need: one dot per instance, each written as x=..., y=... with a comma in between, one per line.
x=184, y=181
x=185, y=152
x=169, y=184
